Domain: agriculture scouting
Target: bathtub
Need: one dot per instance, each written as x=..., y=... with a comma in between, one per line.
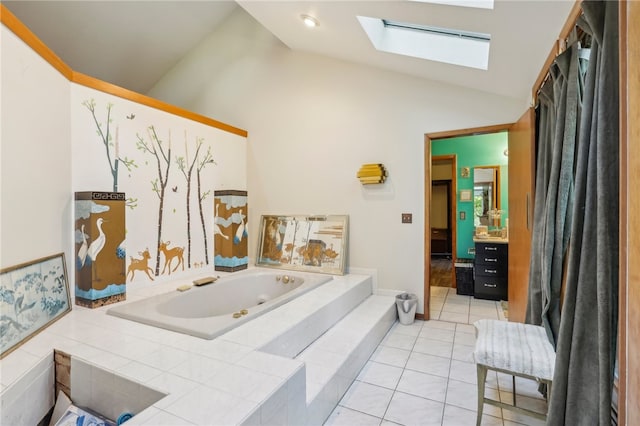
x=213, y=309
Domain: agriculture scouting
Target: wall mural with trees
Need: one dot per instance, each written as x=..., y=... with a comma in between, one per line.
x=167, y=166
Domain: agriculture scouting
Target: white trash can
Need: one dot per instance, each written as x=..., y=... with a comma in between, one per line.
x=406, y=304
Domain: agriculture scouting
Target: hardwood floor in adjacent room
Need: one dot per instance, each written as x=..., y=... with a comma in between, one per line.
x=441, y=272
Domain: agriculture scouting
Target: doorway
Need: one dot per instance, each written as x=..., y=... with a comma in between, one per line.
x=442, y=230
x=431, y=176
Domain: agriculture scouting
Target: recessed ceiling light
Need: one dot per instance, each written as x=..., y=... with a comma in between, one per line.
x=309, y=21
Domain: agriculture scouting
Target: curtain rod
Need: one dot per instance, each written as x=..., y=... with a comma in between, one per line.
x=559, y=46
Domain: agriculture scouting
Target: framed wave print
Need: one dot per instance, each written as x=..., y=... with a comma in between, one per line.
x=32, y=296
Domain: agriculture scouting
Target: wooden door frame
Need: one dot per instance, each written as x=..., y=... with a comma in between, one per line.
x=428, y=138
x=629, y=244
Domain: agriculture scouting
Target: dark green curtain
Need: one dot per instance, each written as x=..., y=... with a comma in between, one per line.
x=587, y=339
x=576, y=221
x=558, y=119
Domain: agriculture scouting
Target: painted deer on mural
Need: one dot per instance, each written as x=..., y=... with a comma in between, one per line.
x=170, y=254
x=140, y=264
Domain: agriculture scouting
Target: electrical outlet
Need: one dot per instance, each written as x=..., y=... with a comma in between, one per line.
x=407, y=217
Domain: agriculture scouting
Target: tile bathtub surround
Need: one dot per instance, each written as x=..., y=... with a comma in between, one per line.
x=29, y=400
x=424, y=374
x=199, y=375
x=109, y=392
x=334, y=360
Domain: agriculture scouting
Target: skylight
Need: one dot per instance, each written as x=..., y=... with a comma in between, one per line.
x=464, y=48
x=479, y=4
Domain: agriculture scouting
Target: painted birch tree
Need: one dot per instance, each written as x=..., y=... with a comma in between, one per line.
x=186, y=168
x=104, y=133
x=156, y=148
x=206, y=159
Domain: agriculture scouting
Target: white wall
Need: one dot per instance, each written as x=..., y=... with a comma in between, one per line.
x=128, y=122
x=35, y=182
x=313, y=121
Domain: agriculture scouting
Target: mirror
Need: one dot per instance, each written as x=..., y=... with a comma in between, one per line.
x=486, y=194
x=304, y=243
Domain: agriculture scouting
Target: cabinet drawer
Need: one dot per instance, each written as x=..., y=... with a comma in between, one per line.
x=490, y=287
x=491, y=259
x=487, y=253
x=491, y=270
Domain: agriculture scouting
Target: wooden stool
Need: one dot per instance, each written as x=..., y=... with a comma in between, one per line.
x=516, y=349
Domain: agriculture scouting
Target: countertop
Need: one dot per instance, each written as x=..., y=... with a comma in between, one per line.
x=498, y=240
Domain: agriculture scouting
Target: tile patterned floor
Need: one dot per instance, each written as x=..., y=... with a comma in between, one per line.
x=423, y=374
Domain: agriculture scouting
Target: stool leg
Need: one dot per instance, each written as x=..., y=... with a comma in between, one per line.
x=482, y=377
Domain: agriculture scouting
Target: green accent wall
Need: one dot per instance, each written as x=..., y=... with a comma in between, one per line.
x=472, y=151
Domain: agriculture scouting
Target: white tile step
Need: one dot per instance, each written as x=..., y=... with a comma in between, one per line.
x=334, y=360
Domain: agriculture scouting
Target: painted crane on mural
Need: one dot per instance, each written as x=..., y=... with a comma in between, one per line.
x=216, y=227
x=88, y=253
x=84, y=247
x=242, y=230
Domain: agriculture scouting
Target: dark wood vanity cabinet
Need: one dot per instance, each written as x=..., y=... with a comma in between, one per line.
x=491, y=270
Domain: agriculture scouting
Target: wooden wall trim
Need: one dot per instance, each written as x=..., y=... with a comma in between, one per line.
x=426, y=285
x=629, y=349
x=621, y=383
x=467, y=132
x=120, y=92
x=558, y=47
x=30, y=39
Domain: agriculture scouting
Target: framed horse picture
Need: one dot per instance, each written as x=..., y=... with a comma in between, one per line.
x=304, y=243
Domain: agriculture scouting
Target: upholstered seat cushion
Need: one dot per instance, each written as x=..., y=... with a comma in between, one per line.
x=523, y=349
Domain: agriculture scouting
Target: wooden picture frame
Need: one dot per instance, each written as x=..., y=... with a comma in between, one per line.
x=33, y=295
x=304, y=243
x=465, y=195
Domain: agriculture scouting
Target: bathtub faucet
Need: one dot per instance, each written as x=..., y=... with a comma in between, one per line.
x=285, y=279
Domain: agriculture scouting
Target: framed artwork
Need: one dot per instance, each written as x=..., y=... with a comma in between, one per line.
x=32, y=296
x=465, y=195
x=304, y=243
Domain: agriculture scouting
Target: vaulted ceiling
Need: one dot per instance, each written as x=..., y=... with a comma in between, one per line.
x=134, y=43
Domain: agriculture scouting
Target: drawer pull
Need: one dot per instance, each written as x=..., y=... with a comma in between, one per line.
x=491, y=285
x=491, y=271
x=490, y=259
x=491, y=248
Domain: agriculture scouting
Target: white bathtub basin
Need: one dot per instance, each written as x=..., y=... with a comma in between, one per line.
x=208, y=311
